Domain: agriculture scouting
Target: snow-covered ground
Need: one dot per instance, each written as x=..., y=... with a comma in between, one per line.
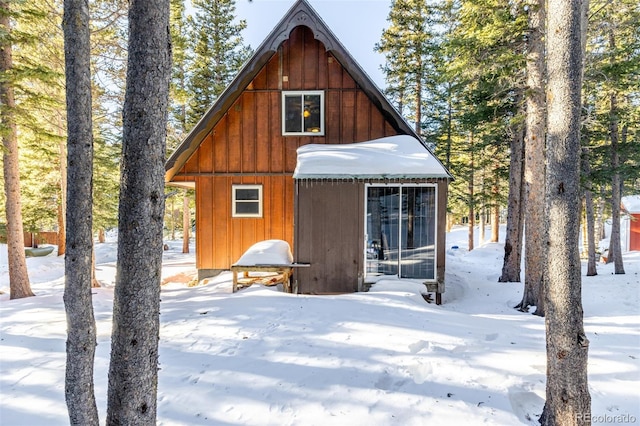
x=386, y=357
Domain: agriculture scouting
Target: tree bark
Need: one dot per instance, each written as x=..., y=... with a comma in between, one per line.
x=515, y=209
x=19, y=285
x=536, y=220
x=495, y=217
x=472, y=214
x=62, y=203
x=567, y=394
x=589, y=219
x=133, y=369
x=81, y=326
x=186, y=223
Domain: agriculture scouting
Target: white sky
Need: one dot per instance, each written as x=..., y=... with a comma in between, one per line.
x=358, y=24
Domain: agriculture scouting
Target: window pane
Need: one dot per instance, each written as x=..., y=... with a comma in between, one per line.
x=293, y=113
x=311, y=113
x=244, y=207
x=247, y=194
x=382, y=230
x=418, y=232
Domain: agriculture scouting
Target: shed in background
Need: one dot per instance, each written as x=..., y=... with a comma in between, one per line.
x=631, y=223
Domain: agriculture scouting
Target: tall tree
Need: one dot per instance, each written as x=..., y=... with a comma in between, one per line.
x=515, y=210
x=218, y=52
x=133, y=369
x=19, y=285
x=535, y=221
x=409, y=45
x=567, y=394
x=81, y=326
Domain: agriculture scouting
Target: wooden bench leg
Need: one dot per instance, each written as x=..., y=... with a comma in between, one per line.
x=235, y=281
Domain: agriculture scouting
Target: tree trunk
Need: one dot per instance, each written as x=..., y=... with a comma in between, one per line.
x=81, y=325
x=536, y=220
x=62, y=202
x=589, y=219
x=186, y=223
x=472, y=213
x=95, y=283
x=133, y=369
x=482, y=225
x=101, y=238
x=567, y=393
x=515, y=209
x=495, y=220
x=615, y=248
x=172, y=221
x=19, y=285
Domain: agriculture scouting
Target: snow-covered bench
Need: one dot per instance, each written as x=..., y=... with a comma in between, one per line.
x=265, y=256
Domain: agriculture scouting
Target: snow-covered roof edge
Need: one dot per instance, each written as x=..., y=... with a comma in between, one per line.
x=393, y=157
x=631, y=203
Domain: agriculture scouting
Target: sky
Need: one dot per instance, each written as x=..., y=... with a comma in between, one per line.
x=382, y=358
x=358, y=24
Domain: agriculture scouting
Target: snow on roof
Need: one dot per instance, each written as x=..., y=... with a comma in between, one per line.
x=631, y=203
x=268, y=252
x=391, y=157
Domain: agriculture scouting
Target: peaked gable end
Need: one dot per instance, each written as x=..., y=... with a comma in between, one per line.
x=300, y=14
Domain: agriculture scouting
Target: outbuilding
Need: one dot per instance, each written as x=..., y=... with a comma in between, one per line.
x=630, y=223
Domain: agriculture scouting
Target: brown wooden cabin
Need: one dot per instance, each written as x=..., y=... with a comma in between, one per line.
x=301, y=86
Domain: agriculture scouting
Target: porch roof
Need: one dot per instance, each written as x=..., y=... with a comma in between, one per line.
x=394, y=157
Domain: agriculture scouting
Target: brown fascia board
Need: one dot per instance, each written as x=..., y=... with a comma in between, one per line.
x=301, y=13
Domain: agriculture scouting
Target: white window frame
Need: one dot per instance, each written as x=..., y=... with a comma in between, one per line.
x=234, y=201
x=302, y=93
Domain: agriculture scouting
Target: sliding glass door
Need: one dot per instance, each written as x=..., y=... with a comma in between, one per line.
x=400, y=231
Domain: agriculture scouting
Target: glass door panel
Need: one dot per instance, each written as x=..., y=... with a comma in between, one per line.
x=417, y=233
x=400, y=231
x=383, y=211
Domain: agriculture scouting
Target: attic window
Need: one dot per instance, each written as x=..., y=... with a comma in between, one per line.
x=303, y=113
x=247, y=201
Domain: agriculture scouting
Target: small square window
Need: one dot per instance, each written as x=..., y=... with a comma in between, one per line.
x=247, y=201
x=303, y=113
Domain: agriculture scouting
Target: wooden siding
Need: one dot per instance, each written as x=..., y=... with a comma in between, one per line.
x=247, y=146
x=634, y=232
x=329, y=236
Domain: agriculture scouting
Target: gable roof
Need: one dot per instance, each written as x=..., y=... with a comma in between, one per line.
x=301, y=13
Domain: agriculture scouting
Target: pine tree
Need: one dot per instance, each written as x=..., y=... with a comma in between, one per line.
x=18, y=277
x=409, y=45
x=81, y=335
x=567, y=394
x=133, y=368
x=218, y=53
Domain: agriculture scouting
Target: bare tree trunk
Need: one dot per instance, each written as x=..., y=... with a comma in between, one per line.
x=133, y=369
x=482, y=225
x=95, y=283
x=172, y=222
x=536, y=220
x=186, y=223
x=600, y=232
x=495, y=220
x=589, y=219
x=101, y=238
x=615, y=248
x=81, y=325
x=515, y=209
x=472, y=214
x=62, y=203
x=567, y=393
x=19, y=285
